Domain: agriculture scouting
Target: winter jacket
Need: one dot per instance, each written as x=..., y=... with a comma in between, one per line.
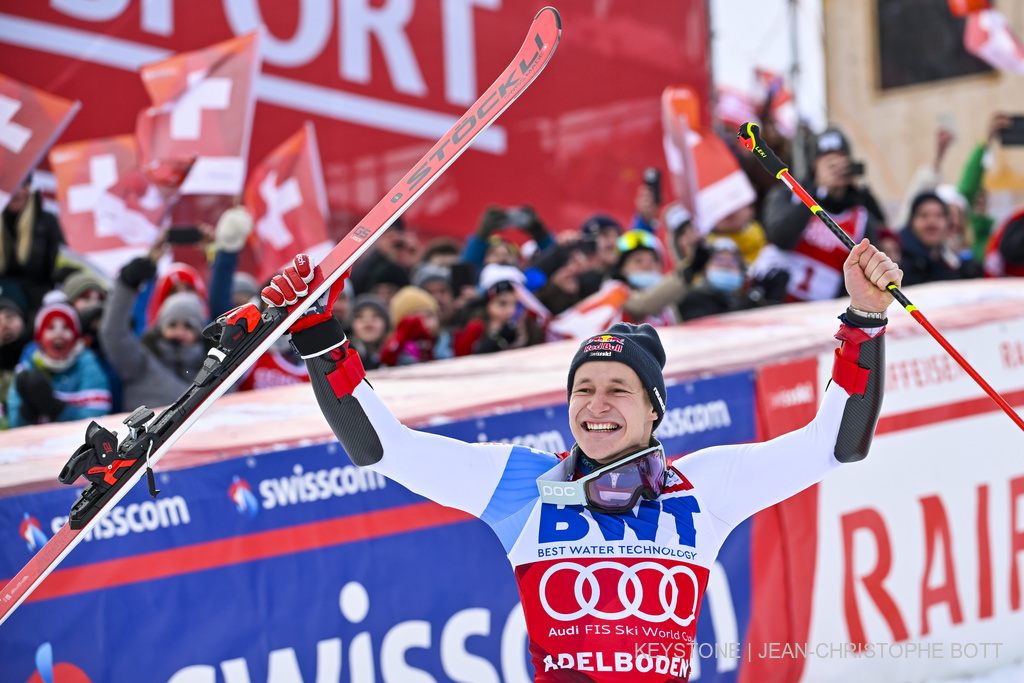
x=83, y=386
x=29, y=243
x=153, y=371
x=919, y=265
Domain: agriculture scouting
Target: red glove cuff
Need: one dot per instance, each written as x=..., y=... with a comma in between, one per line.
x=348, y=373
x=845, y=370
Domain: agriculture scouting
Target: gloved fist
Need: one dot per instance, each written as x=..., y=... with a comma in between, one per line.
x=290, y=286
x=38, y=404
x=286, y=289
x=137, y=271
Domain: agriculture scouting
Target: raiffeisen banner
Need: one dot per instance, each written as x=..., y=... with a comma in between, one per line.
x=382, y=80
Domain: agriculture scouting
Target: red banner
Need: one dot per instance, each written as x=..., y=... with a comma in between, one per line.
x=383, y=80
x=285, y=195
x=30, y=121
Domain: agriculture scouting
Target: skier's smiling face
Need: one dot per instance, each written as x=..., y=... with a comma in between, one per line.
x=610, y=414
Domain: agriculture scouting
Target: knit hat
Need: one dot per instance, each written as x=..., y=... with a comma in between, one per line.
x=47, y=314
x=244, y=284
x=637, y=346
x=831, y=140
x=923, y=197
x=80, y=282
x=598, y=223
x=370, y=301
x=233, y=228
x=410, y=299
x=185, y=307
x=46, y=353
x=7, y=304
x=430, y=272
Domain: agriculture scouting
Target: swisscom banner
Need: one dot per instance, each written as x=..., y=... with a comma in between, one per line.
x=382, y=80
x=296, y=565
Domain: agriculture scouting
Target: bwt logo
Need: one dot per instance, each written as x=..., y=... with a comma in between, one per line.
x=32, y=533
x=571, y=523
x=241, y=493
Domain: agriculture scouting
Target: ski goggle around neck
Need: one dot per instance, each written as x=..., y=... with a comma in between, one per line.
x=614, y=488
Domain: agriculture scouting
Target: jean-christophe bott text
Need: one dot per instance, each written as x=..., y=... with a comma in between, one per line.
x=750, y=651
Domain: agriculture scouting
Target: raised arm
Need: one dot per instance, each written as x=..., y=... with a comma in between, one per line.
x=475, y=478
x=737, y=481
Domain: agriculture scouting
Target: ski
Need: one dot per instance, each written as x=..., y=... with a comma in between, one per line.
x=244, y=333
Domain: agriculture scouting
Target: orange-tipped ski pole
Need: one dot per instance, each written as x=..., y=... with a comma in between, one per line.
x=749, y=135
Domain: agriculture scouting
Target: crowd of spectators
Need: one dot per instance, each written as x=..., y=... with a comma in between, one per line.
x=74, y=344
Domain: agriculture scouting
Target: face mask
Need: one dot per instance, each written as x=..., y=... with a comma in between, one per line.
x=725, y=280
x=644, y=278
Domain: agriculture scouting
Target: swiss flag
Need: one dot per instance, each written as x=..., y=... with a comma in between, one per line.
x=987, y=37
x=201, y=119
x=711, y=181
x=30, y=121
x=591, y=316
x=105, y=202
x=285, y=195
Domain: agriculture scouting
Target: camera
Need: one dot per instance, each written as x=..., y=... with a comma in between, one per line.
x=652, y=179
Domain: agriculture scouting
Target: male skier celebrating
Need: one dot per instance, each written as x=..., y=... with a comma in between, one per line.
x=611, y=546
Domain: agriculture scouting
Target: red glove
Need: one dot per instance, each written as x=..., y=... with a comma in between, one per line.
x=287, y=288
x=410, y=329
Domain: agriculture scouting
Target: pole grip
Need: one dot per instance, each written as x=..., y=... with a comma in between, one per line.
x=750, y=135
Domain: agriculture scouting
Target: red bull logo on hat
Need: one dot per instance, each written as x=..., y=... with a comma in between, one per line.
x=603, y=342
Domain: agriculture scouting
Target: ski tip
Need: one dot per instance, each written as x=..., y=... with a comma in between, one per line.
x=558, y=17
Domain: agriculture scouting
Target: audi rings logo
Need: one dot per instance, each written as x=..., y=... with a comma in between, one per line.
x=586, y=598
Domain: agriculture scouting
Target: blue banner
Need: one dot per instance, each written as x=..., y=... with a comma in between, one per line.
x=296, y=565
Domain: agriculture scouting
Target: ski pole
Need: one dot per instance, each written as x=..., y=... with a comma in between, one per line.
x=749, y=135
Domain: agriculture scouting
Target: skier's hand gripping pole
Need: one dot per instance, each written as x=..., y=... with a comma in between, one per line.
x=749, y=135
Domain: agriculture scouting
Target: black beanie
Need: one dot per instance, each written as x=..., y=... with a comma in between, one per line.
x=637, y=346
x=920, y=199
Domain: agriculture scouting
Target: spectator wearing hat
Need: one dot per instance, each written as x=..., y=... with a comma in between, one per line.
x=561, y=267
x=369, y=328
x=725, y=287
x=654, y=293
x=804, y=247
x=926, y=254
x=62, y=380
x=156, y=368
x=85, y=289
x=30, y=240
x=604, y=231
x=507, y=315
x=436, y=280
x=417, y=336
x=86, y=292
x=244, y=288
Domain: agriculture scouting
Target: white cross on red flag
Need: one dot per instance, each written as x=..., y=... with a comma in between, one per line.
x=286, y=197
x=706, y=175
x=201, y=118
x=106, y=203
x=987, y=37
x=30, y=121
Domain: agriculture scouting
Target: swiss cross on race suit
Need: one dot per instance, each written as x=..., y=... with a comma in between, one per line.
x=279, y=200
x=85, y=197
x=13, y=135
x=187, y=114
